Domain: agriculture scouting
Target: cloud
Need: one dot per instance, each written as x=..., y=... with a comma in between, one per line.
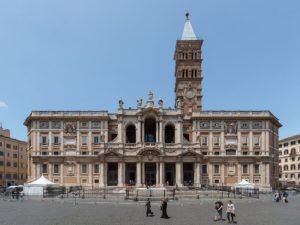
x=3, y=105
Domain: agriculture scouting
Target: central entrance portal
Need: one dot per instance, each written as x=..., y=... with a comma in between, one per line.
x=112, y=174
x=188, y=174
x=130, y=173
x=170, y=174
x=150, y=173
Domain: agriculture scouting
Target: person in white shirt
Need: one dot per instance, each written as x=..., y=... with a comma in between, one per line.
x=230, y=212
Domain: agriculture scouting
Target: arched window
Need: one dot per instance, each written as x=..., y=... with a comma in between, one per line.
x=280, y=152
x=169, y=134
x=130, y=134
x=286, y=152
x=293, y=151
x=150, y=130
x=293, y=167
x=285, y=167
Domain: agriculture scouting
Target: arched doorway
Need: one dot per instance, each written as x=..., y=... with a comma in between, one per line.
x=150, y=130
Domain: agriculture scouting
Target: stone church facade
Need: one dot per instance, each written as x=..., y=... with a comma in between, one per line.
x=152, y=145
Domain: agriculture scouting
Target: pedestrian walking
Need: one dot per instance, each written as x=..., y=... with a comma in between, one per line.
x=163, y=208
x=285, y=196
x=276, y=197
x=219, y=211
x=148, y=206
x=230, y=212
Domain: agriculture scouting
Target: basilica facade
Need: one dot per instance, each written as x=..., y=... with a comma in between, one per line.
x=153, y=145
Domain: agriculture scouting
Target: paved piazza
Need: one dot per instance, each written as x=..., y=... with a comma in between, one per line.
x=190, y=212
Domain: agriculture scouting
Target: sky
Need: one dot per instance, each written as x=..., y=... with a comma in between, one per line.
x=86, y=55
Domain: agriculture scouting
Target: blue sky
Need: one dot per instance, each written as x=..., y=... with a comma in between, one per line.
x=85, y=55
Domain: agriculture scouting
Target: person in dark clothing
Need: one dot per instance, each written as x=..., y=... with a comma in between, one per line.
x=164, y=209
x=148, y=205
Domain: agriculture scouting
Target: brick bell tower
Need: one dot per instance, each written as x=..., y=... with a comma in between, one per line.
x=188, y=72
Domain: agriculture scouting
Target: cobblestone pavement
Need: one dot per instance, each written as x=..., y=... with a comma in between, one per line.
x=182, y=212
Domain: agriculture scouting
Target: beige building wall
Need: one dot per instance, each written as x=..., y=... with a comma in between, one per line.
x=289, y=160
x=13, y=160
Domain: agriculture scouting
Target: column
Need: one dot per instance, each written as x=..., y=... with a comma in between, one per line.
x=138, y=174
x=251, y=143
x=251, y=172
x=157, y=173
x=61, y=141
x=62, y=174
x=239, y=172
x=195, y=174
x=210, y=173
x=179, y=173
x=210, y=142
x=162, y=174
x=78, y=173
x=50, y=143
x=239, y=147
x=139, y=131
x=267, y=166
x=38, y=143
x=143, y=132
x=160, y=131
x=91, y=174
x=101, y=175
x=157, y=128
x=262, y=174
x=143, y=173
x=223, y=174
x=198, y=179
x=38, y=166
x=50, y=171
x=120, y=174
x=90, y=143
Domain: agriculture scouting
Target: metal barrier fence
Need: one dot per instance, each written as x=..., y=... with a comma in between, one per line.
x=137, y=194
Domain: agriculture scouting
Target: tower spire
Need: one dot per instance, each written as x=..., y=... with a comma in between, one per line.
x=188, y=32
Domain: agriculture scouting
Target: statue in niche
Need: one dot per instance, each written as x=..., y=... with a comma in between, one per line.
x=160, y=102
x=121, y=104
x=139, y=102
x=178, y=103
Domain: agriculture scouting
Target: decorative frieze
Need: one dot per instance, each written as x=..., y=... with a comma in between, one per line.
x=44, y=125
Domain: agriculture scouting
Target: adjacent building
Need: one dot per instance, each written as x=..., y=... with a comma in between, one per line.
x=153, y=145
x=289, y=160
x=13, y=160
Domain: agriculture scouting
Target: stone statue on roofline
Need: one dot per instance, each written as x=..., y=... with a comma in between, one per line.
x=139, y=102
x=121, y=104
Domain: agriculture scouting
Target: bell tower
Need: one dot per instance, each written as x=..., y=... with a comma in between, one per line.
x=188, y=73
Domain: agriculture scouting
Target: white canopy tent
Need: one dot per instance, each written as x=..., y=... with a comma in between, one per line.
x=245, y=184
x=37, y=187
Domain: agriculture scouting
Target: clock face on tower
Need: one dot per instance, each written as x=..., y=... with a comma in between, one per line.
x=190, y=93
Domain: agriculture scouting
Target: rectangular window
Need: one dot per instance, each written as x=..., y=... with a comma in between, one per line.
x=244, y=140
x=15, y=147
x=83, y=140
x=204, y=141
x=15, y=155
x=8, y=146
x=0, y=144
x=8, y=164
x=56, y=140
x=245, y=169
x=293, y=142
x=15, y=176
x=8, y=176
x=256, y=169
x=217, y=169
x=96, y=168
x=15, y=164
x=1, y=153
x=56, y=168
x=216, y=140
x=84, y=168
x=256, y=141
x=44, y=140
x=96, y=181
x=7, y=154
x=96, y=140
x=204, y=169
x=45, y=168
x=1, y=163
